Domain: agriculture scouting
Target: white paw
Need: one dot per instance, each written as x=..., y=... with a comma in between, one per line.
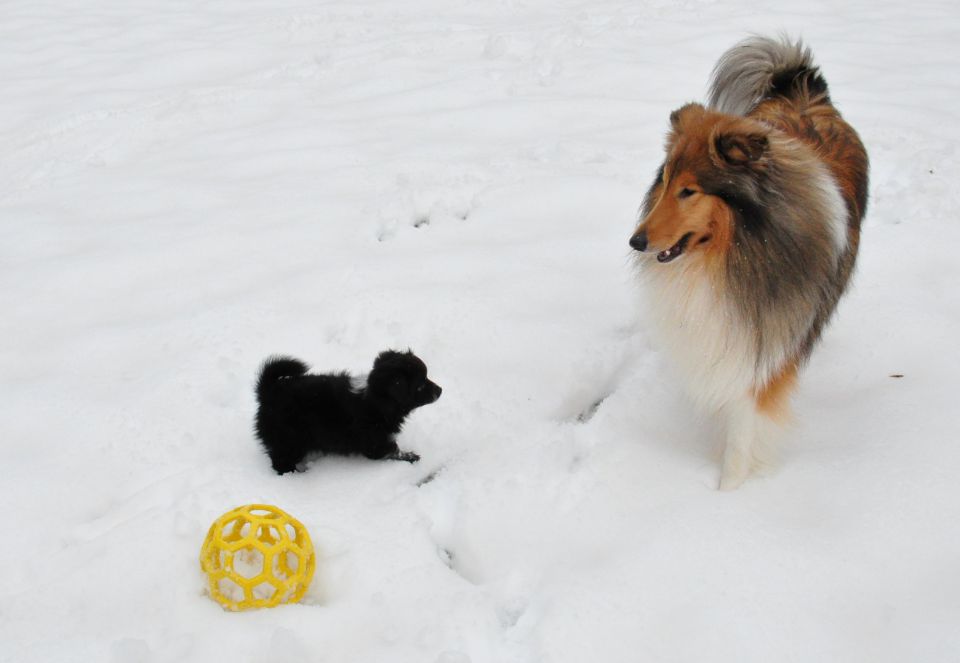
x=735, y=472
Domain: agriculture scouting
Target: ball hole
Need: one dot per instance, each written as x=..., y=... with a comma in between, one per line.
x=248, y=563
x=264, y=591
x=230, y=590
x=236, y=529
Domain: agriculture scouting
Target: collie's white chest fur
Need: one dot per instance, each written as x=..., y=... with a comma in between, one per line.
x=718, y=356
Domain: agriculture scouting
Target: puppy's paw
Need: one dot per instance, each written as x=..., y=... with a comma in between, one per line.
x=408, y=456
x=284, y=464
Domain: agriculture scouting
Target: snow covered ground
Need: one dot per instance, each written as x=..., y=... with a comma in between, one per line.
x=188, y=187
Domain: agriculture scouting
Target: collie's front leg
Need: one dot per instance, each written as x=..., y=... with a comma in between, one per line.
x=741, y=421
x=750, y=444
x=754, y=423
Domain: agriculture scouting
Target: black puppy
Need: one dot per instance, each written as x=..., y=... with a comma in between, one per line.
x=335, y=413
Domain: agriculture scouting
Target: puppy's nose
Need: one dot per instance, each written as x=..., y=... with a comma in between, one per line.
x=639, y=241
x=437, y=391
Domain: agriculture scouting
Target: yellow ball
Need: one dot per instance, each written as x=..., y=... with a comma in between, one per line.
x=257, y=556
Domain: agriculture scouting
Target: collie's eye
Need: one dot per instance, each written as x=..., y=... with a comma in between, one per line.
x=685, y=193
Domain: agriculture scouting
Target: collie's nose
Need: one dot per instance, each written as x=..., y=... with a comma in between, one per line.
x=639, y=241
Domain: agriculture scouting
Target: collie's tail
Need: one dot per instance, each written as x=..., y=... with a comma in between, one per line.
x=760, y=68
x=276, y=368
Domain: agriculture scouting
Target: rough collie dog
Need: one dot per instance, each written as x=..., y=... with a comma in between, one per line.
x=335, y=413
x=748, y=236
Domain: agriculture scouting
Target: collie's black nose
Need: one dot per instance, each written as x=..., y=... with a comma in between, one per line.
x=639, y=241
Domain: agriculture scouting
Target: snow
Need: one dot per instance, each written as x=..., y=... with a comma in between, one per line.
x=190, y=187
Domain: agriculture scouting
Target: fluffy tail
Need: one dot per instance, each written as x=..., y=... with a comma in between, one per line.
x=759, y=68
x=276, y=368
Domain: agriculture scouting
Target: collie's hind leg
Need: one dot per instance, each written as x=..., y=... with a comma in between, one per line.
x=754, y=423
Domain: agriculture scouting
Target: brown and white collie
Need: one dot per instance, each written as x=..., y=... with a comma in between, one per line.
x=748, y=236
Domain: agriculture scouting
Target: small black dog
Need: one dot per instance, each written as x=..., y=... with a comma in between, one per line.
x=334, y=414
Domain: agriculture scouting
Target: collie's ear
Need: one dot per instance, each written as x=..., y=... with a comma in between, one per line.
x=739, y=149
x=685, y=114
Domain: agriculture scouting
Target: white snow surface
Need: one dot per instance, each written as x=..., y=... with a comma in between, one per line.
x=187, y=188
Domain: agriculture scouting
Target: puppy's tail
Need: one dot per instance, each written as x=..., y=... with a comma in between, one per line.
x=760, y=68
x=274, y=370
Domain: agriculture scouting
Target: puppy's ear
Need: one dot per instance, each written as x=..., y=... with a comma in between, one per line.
x=385, y=358
x=736, y=148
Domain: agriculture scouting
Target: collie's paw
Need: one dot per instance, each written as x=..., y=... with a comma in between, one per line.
x=735, y=472
x=728, y=483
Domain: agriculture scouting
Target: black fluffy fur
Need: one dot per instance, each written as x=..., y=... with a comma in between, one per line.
x=301, y=413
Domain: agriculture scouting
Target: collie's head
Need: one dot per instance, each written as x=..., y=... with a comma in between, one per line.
x=712, y=173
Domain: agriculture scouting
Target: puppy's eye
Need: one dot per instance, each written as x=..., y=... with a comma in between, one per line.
x=685, y=192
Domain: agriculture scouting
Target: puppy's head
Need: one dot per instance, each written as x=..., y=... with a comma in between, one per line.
x=400, y=378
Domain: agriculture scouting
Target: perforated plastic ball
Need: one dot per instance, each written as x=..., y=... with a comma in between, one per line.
x=257, y=556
